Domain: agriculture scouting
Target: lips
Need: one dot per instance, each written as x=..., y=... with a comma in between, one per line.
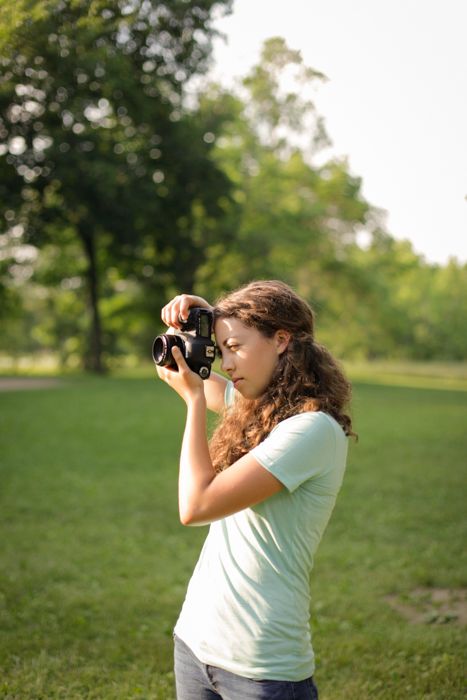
x=235, y=381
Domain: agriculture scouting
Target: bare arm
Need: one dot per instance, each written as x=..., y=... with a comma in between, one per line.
x=204, y=495
x=178, y=307
x=214, y=391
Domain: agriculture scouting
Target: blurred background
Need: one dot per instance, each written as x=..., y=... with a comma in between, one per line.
x=143, y=154
x=136, y=164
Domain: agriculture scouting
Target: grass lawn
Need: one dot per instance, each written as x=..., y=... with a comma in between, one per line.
x=94, y=563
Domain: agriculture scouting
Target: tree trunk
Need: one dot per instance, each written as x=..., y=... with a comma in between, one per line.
x=93, y=355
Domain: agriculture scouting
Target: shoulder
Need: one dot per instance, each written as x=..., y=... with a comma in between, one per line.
x=310, y=425
x=302, y=447
x=304, y=433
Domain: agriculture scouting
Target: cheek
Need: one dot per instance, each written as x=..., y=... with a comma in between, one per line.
x=266, y=361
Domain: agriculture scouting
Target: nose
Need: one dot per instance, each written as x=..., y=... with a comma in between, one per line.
x=226, y=363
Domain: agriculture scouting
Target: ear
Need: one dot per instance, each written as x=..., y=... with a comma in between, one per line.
x=282, y=339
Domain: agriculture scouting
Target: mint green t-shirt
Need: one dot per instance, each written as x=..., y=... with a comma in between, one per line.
x=247, y=606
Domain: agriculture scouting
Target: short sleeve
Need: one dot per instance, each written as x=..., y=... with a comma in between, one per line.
x=299, y=448
x=229, y=394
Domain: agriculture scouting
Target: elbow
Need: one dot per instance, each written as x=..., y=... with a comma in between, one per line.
x=186, y=518
x=194, y=509
x=192, y=517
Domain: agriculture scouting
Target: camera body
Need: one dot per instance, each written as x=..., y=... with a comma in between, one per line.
x=194, y=341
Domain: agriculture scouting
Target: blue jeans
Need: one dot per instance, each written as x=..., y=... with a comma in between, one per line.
x=197, y=681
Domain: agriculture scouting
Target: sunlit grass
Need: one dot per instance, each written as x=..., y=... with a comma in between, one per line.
x=449, y=375
x=94, y=562
x=428, y=375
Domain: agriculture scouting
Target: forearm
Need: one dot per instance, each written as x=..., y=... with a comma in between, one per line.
x=214, y=390
x=196, y=470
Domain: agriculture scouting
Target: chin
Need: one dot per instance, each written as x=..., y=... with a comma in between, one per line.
x=251, y=395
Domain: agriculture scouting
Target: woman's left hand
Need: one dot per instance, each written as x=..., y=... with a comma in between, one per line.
x=186, y=383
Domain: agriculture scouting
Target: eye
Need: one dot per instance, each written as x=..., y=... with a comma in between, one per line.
x=218, y=352
x=233, y=347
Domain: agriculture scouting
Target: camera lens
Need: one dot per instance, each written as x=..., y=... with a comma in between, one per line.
x=162, y=349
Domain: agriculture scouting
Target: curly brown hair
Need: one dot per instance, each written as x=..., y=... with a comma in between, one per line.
x=306, y=378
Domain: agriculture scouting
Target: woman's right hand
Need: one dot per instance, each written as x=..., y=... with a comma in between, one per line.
x=178, y=308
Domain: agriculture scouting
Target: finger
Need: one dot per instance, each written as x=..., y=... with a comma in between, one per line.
x=162, y=373
x=174, y=312
x=179, y=359
x=166, y=314
x=185, y=304
x=169, y=313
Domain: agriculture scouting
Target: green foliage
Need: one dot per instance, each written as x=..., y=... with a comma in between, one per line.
x=95, y=139
x=406, y=307
x=292, y=212
x=95, y=563
x=301, y=222
x=133, y=193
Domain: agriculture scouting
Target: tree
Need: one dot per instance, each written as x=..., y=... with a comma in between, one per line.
x=95, y=140
x=297, y=217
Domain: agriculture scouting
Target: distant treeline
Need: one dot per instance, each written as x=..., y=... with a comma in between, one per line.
x=123, y=181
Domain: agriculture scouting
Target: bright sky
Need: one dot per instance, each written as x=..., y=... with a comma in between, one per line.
x=395, y=103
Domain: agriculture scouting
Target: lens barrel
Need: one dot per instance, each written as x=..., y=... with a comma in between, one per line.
x=162, y=349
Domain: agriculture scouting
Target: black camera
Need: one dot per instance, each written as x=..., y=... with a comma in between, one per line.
x=194, y=340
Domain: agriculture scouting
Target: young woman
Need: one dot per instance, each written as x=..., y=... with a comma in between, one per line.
x=267, y=483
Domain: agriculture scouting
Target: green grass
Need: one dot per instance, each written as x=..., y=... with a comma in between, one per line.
x=94, y=562
x=424, y=375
